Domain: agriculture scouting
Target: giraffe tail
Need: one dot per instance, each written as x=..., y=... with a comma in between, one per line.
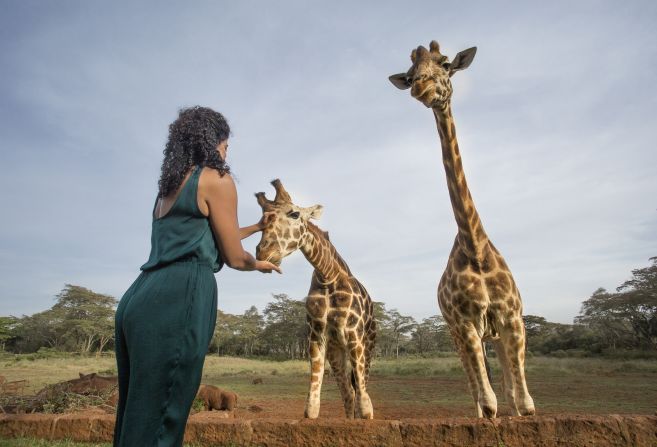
x=353, y=380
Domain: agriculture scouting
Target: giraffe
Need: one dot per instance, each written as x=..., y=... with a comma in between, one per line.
x=339, y=311
x=476, y=294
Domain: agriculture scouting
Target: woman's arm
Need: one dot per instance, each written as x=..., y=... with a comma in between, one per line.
x=248, y=231
x=220, y=196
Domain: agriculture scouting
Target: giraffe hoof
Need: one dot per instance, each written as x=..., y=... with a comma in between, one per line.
x=528, y=412
x=489, y=412
x=311, y=414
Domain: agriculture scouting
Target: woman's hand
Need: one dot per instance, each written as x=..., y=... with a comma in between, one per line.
x=267, y=267
x=267, y=217
x=261, y=225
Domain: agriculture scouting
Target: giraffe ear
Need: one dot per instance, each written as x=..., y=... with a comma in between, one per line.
x=462, y=60
x=314, y=212
x=400, y=80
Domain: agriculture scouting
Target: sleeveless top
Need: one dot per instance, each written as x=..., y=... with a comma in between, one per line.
x=184, y=233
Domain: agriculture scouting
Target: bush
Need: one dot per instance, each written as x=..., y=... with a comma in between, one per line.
x=198, y=405
x=627, y=354
x=570, y=353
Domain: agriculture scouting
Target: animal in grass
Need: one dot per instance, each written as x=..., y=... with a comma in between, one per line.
x=257, y=381
x=86, y=384
x=216, y=399
x=93, y=383
x=339, y=310
x=476, y=294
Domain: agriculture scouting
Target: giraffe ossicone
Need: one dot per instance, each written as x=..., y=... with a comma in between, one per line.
x=339, y=311
x=477, y=295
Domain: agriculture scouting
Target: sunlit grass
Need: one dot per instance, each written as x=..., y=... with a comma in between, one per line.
x=596, y=385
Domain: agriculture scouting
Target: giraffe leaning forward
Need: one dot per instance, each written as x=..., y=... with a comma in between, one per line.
x=476, y=294
x=339, y=310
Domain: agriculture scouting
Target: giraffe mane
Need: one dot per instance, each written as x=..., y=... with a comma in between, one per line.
x=323, y=235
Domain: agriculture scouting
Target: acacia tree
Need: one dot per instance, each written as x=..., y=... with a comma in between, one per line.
x=7, y=327
x=627, y=318
x=432, y=335
x=251, y=329
x=32, y=332
x=286, y=331
x=602, y=315
x=225, y=339
x=639, y=303
x=400, y=326
x=237, y=334
x=87, y=317
x=385, y=339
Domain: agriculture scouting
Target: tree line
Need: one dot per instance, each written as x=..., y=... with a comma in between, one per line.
x=609, y=322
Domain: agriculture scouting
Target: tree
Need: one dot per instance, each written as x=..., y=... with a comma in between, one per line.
x=535, y=326
x=286, y=331
x=251, y=329
x=627, y=318
x=601, y=314
x=385, y=339
x=400, y=326
x=432, y=335
x=7, y=328
x=638, y=301
x=40, y=329
x=238, y=334
x=87, y=317
x=223, y=340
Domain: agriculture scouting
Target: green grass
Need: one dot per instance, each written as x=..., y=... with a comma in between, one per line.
x=404, y=388
x=575, y=385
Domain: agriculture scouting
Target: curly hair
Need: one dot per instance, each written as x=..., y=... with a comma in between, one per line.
x=193, y=140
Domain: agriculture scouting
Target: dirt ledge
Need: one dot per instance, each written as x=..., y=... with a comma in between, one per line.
x=215, y=428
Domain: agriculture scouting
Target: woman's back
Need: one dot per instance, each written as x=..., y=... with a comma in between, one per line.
x=166, y=319
x=184, y=232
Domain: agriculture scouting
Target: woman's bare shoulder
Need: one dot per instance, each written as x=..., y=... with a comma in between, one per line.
x=211, y=182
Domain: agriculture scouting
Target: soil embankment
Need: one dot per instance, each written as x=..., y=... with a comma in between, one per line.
x=221, y=427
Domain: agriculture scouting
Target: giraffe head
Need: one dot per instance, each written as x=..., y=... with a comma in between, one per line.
x=287, y=228
x=428, y=77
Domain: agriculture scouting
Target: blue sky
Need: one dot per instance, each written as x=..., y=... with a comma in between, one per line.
x=555, y=119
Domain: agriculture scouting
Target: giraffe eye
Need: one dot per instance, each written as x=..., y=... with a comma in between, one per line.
x=293, y=214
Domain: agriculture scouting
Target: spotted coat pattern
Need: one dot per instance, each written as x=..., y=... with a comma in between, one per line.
x=339, y=310
x=476, y=294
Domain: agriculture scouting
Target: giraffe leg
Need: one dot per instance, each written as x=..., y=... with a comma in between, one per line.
x=473, y=358
x=337, y=357
x=317, y=351
x=512, y=338
x=469, y=372
x=369, y=353
x=363, y=407
x=507, y=377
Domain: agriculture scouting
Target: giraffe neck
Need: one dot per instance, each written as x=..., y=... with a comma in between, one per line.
x=471, y=235
x=321, y=253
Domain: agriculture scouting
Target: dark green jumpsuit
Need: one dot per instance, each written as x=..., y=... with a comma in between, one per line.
x=163, y=326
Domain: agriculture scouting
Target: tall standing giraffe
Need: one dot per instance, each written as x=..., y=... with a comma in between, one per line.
x=339, y=310
x=476, y=294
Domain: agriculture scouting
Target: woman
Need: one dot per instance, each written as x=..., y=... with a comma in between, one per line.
x=166, y=319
